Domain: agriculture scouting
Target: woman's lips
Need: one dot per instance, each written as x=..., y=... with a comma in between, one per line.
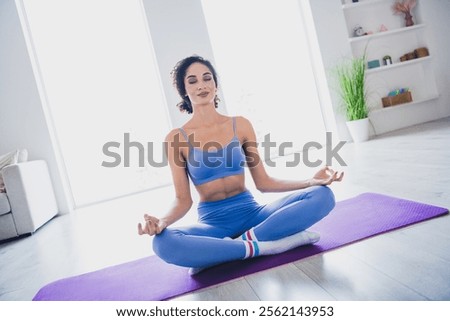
x=203, y=94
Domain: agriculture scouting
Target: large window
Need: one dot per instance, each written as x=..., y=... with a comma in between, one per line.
x=261, y=51
x=101, y=85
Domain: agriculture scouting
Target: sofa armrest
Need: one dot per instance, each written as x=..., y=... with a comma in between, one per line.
x=30, y=193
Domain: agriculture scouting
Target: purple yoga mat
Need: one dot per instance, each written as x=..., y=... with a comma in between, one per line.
x=152, y=279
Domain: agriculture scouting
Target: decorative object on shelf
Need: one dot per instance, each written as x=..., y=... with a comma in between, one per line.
x=358, y=31
x=397, y=97
x=373, y=64
x=418, y=53
x=408, y=56
x=405, y=7
x=352, y=84
x=383, y=28
x=398, y=91
x=387, y=60
x=421, y=52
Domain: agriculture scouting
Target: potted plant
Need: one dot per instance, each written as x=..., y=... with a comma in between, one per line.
x=351, y=77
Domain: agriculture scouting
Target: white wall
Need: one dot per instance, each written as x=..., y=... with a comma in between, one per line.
x=333, y=42
x=178, y=29
x=22, y=119
x=436, y=15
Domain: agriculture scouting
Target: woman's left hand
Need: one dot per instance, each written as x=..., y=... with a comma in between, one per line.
x=326, y=176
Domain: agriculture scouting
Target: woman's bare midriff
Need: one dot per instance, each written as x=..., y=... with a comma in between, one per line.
x=221, y=188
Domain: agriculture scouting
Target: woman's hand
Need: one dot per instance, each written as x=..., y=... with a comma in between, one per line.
x=153, y=225
x=326, y=176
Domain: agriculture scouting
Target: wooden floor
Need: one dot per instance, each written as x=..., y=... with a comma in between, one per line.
x=412, y=263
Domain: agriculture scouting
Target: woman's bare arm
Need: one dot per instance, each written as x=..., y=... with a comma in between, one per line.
x=183, y=199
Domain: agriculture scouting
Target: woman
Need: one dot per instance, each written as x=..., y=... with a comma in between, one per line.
x=232, y=225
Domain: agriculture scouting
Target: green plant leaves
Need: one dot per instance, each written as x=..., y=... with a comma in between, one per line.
x=351, y=76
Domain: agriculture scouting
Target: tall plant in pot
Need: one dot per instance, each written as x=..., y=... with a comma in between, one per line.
x=352, y=85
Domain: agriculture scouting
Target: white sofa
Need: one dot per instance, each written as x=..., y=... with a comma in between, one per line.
x=29, y=201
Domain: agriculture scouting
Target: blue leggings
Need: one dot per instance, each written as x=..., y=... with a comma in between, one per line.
x=203, y=244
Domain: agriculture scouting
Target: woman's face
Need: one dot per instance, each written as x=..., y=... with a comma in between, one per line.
x=199, y=83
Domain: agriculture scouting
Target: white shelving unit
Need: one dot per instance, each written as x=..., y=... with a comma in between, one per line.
x=397, y=40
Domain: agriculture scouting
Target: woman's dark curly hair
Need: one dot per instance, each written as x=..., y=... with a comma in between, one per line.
x=179, y=73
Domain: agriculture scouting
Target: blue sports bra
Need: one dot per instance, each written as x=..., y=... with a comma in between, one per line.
x=205, y=166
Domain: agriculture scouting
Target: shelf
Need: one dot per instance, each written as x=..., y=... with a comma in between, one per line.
x=397, y=65
x=386, y=33
x=402, y=106
x=362, y=4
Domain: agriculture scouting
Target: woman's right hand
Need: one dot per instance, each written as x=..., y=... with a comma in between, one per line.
x=152, y=226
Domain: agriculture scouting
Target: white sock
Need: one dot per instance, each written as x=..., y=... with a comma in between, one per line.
x=288, y=243
x=251, y=249
x=256, y=248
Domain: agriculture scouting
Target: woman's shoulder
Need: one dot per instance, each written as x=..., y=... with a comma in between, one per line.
x=170, y=137
x=187, y=126
x=242, y=122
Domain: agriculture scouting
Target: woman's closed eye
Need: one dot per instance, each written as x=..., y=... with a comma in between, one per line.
x=193, y=80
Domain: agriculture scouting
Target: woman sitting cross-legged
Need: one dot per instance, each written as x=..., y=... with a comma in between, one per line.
x=212, y=149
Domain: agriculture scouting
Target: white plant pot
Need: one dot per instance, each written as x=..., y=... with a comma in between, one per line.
x=359, y=129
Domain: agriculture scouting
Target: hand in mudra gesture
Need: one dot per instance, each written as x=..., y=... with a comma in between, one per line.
x=152, y=226
x=326, y=176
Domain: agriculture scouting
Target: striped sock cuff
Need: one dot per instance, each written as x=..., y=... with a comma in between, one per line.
x=251, y=249
x=249, y=235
